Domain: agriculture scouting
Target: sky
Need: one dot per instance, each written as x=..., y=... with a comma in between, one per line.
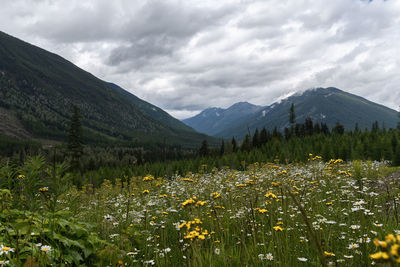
x=185, y=56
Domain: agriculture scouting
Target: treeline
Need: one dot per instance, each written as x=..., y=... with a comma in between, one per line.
x=18, y=149
x=265, y=146
x=291, y=145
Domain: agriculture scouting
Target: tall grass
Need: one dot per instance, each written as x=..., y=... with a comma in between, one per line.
x=308, y=214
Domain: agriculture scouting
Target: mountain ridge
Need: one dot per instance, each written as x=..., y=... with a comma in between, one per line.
x=328, y=105
x=212, y=120
x=40, y=88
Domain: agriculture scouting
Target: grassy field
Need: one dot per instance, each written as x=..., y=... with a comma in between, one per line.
x=314, y=214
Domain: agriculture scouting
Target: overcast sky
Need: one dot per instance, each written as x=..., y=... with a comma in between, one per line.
x=184, y=56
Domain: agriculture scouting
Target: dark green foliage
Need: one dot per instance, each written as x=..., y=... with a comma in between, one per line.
x=246, y=144
x=309, y=127
x=338, y=129
x=15, y=148
x=256, y=139
x=222, y=148
x=292, y=115
x=203, y=151
x=234, y=144
x=398, y=123
x=396, y=158
x=75, y=139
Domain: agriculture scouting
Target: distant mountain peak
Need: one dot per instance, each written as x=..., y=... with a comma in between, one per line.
x=328, y=105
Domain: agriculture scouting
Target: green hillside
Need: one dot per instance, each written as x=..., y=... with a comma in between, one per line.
x=39, y=88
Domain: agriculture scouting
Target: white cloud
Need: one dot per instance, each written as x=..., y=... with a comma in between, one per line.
x=188, y=55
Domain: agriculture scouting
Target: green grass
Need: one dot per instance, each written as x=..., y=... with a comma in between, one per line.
x=267, y=215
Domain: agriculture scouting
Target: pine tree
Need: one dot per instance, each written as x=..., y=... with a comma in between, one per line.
x=396, y=156
x=256, y=139
x=222, y=148
x=263, y=136
x=324, y=129
x=246, y=144
x=203, y=151
x=75, y=140
x=398, y=124
x=309, y=126
x=338, y=129
x=234, y=145
x=292, y=115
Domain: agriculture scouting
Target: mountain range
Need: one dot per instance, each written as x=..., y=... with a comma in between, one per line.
x=38, y=90
x=325, y=105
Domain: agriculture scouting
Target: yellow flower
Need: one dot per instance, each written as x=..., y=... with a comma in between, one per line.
x=262, y=211
x=200, y=203
x=379, y=255
x=329, y=254
x=148, y=177
x=43, y=189
x=270, y=194
x=188, y=201
x=145, y=191
x=21, y=176
x=394, y=250
x=381, y=244
x=278, y=228
x=216, y=195
x=390, y=238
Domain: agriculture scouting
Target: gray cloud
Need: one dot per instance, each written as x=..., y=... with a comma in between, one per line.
x=185, y=56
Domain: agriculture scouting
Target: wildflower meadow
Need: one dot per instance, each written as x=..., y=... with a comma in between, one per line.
x=318, y=213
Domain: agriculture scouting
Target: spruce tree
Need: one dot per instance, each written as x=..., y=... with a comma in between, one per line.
x=246, y=144
x=75, y=142
x=396, y=156
x=292, y=119
x=234, y=145
x=263, y=136
x=256, y=139
x=292, y=115
x=203, y=151
x=398, y=124
x=222, y=148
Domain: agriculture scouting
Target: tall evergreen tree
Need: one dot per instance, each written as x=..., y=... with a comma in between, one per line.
x=222, y=148
x=256, y=139
x=263, y=136
x=396, y=156
x=325, y=129
x=309, y=126
x=338, y=129
x=75, y=140
x=398, y=124
x=246, y=144
x=203, y=151
x=234, y=144
x=317, y=128
x=292, y=115
x=287, y=133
